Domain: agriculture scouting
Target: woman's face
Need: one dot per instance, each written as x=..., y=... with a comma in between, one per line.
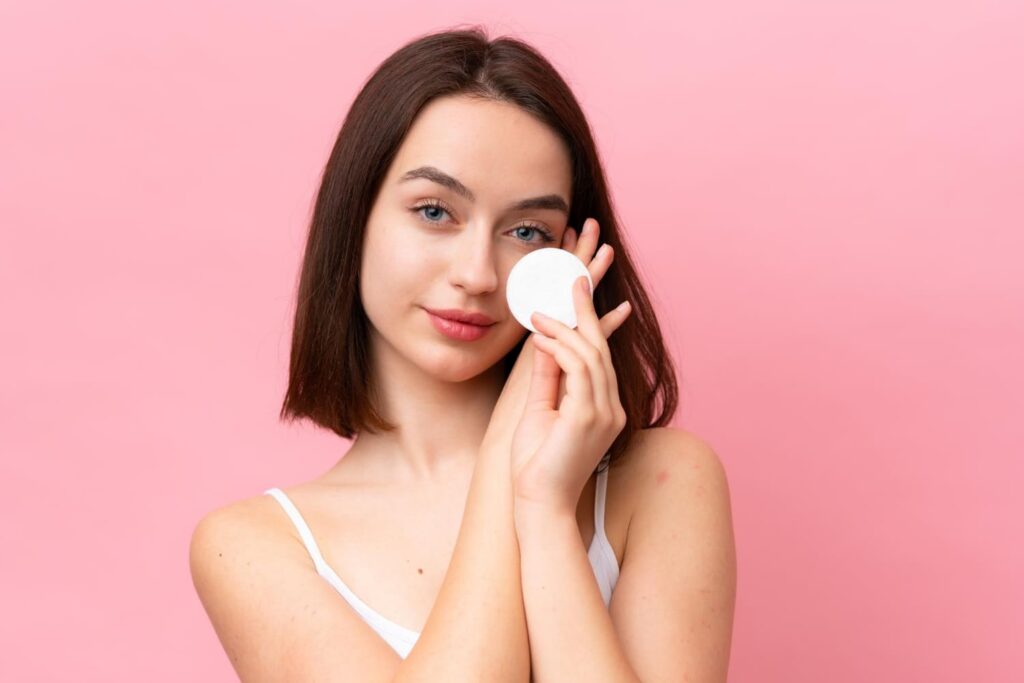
x=444, y=231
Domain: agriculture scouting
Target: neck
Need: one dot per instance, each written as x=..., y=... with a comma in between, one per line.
x=441, y=418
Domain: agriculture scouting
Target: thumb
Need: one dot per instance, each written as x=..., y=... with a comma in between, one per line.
x=544, y=382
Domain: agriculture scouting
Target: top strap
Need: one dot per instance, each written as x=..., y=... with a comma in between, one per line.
x=382, y=624
x=600, y=497
x=301, y=526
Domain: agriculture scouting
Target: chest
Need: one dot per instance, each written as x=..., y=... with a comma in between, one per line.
x=393, y=550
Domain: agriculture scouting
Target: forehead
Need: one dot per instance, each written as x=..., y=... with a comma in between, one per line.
x=495, y=148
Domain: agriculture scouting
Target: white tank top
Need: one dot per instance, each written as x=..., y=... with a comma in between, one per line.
x=401, y=639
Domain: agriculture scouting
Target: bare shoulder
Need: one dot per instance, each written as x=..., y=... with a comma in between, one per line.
x=236, y=544
x=251, y=523
x=275, y=616
x=245, y=541
x=662, y=453
x=251, y=526
x=681, y=549
x=670, y=463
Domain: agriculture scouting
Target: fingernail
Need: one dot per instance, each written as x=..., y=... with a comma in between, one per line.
x=584, y=285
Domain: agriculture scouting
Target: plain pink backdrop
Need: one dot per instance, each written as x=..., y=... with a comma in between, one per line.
x=825, y=199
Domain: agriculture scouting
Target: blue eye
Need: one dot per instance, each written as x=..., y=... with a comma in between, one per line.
x=432, y=204
x=545, y=235
x=437, y=205
x=433, y=208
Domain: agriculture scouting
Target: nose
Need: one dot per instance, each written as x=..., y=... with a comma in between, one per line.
x=472, y=267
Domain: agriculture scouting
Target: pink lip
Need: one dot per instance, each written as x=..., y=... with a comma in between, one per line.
x=460, y=316
x=457, y=330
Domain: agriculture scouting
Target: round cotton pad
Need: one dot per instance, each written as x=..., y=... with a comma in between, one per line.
x=542, y=281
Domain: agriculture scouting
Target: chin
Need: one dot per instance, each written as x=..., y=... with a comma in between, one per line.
x=453, y=362
x=457, y=372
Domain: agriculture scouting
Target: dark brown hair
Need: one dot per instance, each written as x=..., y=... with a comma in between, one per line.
x=329, y=380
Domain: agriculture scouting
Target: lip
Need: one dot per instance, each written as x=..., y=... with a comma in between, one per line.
x=459, y=316
x=455, y=329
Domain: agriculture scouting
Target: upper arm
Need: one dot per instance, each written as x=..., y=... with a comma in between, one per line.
x=674, y=601
x=276, y=618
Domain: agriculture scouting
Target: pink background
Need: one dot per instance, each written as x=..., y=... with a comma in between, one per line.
x=826, y=202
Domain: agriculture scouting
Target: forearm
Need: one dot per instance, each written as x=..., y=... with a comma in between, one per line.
x=477, y=627
x=571, y=634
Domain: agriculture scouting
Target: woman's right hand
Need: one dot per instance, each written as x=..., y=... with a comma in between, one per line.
x=509, y=408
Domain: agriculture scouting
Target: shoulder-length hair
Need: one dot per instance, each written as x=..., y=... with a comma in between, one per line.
x=329, y=380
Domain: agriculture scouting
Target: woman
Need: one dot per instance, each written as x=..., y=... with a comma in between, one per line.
x=477, y=510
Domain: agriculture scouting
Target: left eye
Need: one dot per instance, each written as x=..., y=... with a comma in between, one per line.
x=545, y=236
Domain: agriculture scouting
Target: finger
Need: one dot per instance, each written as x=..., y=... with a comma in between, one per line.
x=598, y=265
x=590, y=327
x=612, y=321
x=614, y=318
x=599, y=262
x=609, y=323
x=587, y=244
x=545, y=381
x=569, y=240
x=586, y=317
x=582, y=342
x=578, y=388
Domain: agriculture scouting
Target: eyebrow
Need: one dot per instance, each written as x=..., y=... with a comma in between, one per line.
x=433, y=174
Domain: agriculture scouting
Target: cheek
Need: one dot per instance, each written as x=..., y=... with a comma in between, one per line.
x=396, y=272
x=401, y=246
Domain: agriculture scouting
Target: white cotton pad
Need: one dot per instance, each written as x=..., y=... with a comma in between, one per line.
x=542, y=281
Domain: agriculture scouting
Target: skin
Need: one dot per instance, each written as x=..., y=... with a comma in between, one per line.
x=442, y=392
x=388, y=513
x=393, y=504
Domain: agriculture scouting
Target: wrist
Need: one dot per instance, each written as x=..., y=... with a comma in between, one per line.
x=531, y=513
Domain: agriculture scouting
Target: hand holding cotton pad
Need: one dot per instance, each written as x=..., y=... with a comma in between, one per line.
x=542, y=281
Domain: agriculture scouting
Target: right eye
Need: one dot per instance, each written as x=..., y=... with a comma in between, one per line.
x=435, y=206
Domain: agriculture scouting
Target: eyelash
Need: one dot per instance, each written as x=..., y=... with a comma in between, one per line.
x=545, y=234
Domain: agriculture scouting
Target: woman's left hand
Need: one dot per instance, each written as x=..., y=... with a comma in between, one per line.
x=555, y=448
